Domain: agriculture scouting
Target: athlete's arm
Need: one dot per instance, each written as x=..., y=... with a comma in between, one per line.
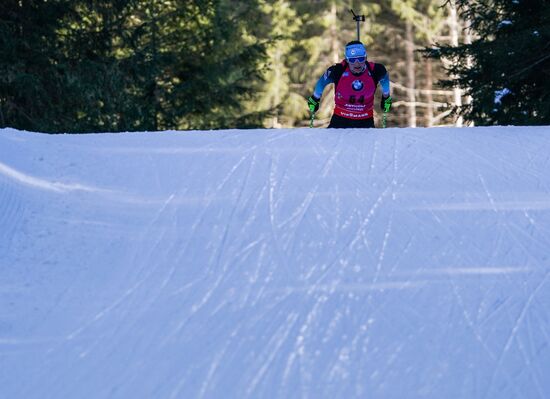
x=327, y=78
x=383, y=77
x=385, y=85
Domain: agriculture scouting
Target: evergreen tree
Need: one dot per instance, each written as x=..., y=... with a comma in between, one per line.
x=28, y=64
x=505, y=68
x=95, y=41
x=421, y=21
x=274, y=91
x=218, y=63
x=116, y=65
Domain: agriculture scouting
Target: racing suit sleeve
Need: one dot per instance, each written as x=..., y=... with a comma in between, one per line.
x=383, y=77
x=324, y=81
x=385, y=84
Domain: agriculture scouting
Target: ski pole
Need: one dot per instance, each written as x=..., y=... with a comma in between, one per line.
x=384, y=119
x=311, y=119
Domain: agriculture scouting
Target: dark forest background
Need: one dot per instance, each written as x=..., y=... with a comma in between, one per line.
x=148, y=65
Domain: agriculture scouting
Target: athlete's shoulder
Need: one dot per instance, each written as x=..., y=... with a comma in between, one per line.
x=379, y=70
x=334, y=72
x=339, y=67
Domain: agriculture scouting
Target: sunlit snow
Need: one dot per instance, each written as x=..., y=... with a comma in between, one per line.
x=306, y=263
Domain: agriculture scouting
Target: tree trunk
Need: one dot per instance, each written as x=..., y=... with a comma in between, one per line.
x=429, y=87
x=278, y=87
x=334, y=33
x=411, y=83
x=469, y=62
x=454, y=28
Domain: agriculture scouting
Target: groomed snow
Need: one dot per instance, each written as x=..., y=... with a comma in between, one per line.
x=307, y=263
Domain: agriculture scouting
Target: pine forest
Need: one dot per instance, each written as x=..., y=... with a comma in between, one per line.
x=147, y=65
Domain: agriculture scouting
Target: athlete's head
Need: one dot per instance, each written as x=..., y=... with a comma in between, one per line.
x=356, y=55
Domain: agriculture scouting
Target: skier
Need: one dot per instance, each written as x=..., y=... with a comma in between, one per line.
x=355, y=80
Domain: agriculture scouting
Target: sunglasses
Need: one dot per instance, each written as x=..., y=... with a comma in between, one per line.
x=353, y=60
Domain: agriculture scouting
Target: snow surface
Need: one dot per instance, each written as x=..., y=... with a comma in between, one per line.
x=396, y=263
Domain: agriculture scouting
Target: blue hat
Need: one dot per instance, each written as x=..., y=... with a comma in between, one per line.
x=355, y=49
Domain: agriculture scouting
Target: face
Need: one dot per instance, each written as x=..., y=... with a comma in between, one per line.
x=357, y=65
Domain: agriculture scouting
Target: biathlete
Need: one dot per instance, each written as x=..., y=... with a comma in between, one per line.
x=355, y=80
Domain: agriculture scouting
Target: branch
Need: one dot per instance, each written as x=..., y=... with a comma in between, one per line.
x=529, y=66
x=419, y=104
x=442, y=115
x=422, y=91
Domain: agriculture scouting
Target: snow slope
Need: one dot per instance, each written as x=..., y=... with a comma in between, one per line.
x=397, y=263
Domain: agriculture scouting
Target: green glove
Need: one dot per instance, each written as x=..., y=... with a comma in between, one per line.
x=385, y=104
x=313, y=104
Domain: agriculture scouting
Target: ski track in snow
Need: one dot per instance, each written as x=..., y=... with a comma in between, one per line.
x=294, y=263
x=43, y=184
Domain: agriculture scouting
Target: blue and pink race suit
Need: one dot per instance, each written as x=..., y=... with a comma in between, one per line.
x=354, y=94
